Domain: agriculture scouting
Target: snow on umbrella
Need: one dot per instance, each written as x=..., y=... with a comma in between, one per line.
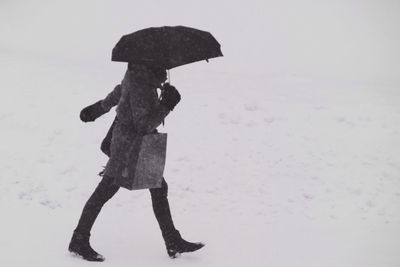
x=166, y=47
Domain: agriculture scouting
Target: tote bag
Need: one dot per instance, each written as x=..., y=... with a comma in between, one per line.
x=146, y=163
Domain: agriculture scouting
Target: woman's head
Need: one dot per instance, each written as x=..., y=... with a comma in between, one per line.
x=159, y=73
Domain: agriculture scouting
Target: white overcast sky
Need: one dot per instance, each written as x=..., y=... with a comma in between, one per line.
x=356, y=40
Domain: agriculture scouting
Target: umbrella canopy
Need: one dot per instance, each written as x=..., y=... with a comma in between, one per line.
x=166, y=47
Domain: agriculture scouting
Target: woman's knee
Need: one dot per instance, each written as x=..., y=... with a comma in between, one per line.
x=160, y=192
x=106, y=188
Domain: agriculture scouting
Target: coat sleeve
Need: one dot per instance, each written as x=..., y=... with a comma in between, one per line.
x=146, y=116
x=111, y=99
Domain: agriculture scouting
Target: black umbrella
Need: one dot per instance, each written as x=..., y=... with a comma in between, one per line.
x=166, y=47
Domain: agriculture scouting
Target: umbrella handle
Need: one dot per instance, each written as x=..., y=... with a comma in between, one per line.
x=169, y=77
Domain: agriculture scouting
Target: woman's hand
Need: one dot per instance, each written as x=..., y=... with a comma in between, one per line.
x=170, y=97
x=92, y=112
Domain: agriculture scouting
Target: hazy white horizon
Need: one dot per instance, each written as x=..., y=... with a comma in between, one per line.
x=351, y=40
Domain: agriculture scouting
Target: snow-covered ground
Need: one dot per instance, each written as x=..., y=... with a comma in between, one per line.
x=290, y=173
x=268, y=169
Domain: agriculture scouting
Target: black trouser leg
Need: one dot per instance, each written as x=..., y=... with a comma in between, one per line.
x=159, y=197
x=104, y=191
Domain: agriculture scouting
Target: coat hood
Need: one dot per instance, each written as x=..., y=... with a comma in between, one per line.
x=142, y=75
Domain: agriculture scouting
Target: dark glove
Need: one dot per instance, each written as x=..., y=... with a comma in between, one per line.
x=170, y=96
x=92, y=112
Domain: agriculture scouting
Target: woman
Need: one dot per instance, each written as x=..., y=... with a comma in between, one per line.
x=139, y=112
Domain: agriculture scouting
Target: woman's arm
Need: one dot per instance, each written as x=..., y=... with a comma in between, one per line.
x=92, y=112
x=111, y=99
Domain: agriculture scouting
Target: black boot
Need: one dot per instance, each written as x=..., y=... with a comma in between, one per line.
x=80, y=246
x=176, y=245
x=173, y=240
x=80, y=239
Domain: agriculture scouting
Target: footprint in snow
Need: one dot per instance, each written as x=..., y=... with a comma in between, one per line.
x=345, y=121
x=25, y=195
x=184, y=158
x=251, y=107
x=370, y=204
x=70, y=189
x=50, y=204
x=228, y=119
x=54, y=136
x=251, y=124
x=308, y=196
x=269, y=120
x=68, y=170
x=341, y=119
x=5, y=116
